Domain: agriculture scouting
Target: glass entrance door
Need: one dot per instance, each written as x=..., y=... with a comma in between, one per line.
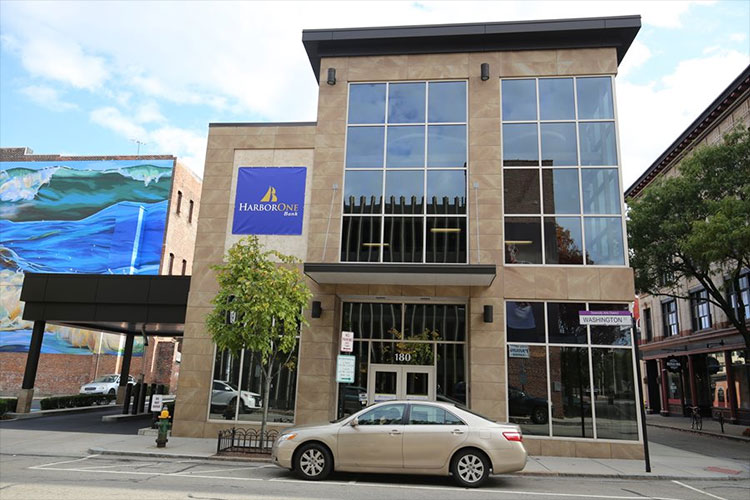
x=388, y=382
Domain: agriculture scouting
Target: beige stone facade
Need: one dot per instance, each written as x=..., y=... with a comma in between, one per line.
x=321, y=147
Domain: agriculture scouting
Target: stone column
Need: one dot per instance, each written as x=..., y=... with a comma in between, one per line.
x=26, y=395
x=731, y=389
x=664, y=382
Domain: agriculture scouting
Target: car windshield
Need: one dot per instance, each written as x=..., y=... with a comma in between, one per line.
x=106, y=378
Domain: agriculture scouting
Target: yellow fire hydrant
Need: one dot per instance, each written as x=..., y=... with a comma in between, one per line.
x=161, y=438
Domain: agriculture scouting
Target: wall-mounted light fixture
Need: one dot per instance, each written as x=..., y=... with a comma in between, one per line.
x=317, y=310
x=331, y=76
x=488, y=314
x=485, y=71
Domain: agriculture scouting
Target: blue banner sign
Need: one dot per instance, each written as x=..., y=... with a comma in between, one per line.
x=270, y=200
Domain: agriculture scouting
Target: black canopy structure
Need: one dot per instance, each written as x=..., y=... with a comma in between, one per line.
x=124, y=304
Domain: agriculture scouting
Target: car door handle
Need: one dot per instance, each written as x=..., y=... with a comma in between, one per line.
x=457, y=432
x=395, y=432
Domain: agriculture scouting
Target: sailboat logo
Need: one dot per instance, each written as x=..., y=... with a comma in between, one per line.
x=270, y=195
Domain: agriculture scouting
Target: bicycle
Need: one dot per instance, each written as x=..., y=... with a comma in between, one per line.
x=697, y=419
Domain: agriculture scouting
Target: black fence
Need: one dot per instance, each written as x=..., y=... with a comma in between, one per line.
x=245, y=441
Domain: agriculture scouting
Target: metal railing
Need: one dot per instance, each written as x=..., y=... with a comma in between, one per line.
x=245, y=441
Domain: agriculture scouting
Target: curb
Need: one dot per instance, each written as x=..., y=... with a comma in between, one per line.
x=186, y=456
x=126, y=417
x=59, y=411
x=702, y=433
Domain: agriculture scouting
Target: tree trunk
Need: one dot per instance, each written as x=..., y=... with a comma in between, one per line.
x=266, y=398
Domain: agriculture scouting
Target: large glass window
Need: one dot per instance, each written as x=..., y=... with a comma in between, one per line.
x=238, y=387
x=562, y=380
x=741, y=375
x=669, y=318
x=406, y=154
x=553, y=158
x=744, y=294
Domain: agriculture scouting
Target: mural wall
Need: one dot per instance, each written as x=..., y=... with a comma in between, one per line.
x=105, y=216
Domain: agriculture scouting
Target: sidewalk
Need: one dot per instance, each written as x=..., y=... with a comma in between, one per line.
x=711, y=427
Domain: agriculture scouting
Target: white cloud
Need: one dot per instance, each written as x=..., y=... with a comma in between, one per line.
x=638, y=54
x=111, y=118
x=148, y=113
x=63, y=61
x=653, y=115
x=738, y=37
x=47, y=97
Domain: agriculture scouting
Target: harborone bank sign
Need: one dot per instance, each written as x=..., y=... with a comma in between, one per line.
x=269, y=200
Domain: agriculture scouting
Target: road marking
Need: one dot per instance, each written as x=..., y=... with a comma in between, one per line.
x=214, y=470
x=377, y=485
x=699, y=491
x=60, y=463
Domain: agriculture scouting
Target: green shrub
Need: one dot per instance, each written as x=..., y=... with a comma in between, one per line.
x=7, y=404
x=75, y=401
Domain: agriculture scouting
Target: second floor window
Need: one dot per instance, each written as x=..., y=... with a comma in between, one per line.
x=744, y=293
x=171, y=264
x=700, y=312
x=184, y=267
x=179, y=202
x=669, y=318
x=190, y=211
x=647, y=324
x=405, y=173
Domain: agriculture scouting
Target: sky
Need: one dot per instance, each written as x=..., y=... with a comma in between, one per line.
x=91, y=78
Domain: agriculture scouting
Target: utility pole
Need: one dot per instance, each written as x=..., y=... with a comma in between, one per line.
x=139, y=143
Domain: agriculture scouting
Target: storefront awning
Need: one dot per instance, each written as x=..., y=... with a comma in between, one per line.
x=402, y=274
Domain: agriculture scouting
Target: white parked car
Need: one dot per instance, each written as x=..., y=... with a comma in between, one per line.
x=224, y=396
x=104, y=384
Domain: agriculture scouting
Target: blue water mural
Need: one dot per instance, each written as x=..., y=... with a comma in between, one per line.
x=103, y=217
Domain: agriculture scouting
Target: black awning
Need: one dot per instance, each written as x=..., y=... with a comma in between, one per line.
x=402, y=274
x=131, y=305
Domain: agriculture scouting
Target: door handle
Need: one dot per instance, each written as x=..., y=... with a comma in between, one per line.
x=395, y=432
x=457, y=432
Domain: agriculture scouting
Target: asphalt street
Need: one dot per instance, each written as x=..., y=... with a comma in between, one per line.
x=96, y=477
x=80, y=422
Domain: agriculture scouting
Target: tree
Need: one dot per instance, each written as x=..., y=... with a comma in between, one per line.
x=264, y=293
x=696, y=225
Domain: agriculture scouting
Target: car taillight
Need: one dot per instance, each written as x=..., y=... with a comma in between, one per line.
x=513, y=436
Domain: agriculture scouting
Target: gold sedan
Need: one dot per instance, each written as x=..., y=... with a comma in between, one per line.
x=407, y=437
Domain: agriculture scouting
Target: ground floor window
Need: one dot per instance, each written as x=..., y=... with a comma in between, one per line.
x=237, y=390
x=403, y=350
x=568, y=380
x=741, y=374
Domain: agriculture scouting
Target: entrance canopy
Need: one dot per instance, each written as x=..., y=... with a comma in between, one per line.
x=402, y=274
x=125, y=304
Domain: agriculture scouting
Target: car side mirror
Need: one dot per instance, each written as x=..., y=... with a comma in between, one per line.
x=354, y=422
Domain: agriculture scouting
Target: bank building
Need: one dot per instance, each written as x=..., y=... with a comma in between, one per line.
x=456, y=204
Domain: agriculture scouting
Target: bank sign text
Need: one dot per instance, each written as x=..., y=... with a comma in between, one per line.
x=269, y=200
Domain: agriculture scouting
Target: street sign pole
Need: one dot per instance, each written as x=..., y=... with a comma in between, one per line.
x=636, y=338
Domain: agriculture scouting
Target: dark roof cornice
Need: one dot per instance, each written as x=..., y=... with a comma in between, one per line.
x=739, y=87
x=593, y=32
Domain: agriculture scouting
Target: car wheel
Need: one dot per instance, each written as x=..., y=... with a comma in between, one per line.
x=313, y=462
x=470, y=468
x=539, y=415
x=112, y=392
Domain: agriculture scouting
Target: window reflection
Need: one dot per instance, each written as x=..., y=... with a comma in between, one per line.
x=563, y=324
x=283, y=389
x=610, y=335
x=224, y=386
x=560, y=187
x=559, y=144
x=595, y=98
x=363, y=192
x=571, y=392
x=563, y=241
x=525, y=321
x=523, y=240
x=527, y=389
x=520, y=144
x=372, y=321
x=435, y=322
x=360, y=239
x=403, y=239
x=447, y=102
x=614, y=393
x=367, y=103
x=604, y=244
x=446, y=146
x=406, y=103
x=598, y=145
x=364, y=147
x=556, y=99
x=601, y=191
x=521, y=191
x=446, y=239
x=404, y=192
x=446, y=191
x=519, y=100
x=405, y=147
x=451, y=373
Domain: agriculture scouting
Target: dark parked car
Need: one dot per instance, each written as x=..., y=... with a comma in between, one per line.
x=522, y=405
